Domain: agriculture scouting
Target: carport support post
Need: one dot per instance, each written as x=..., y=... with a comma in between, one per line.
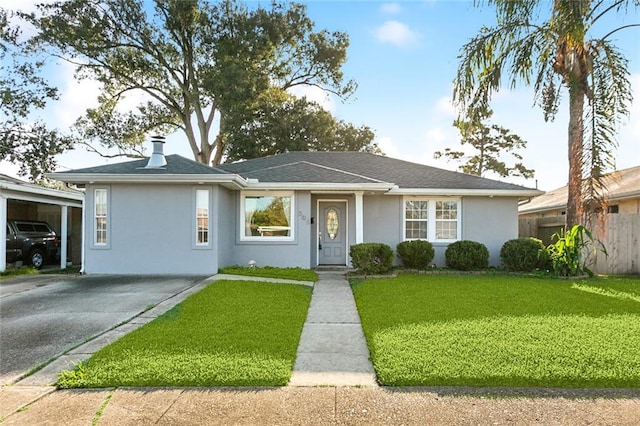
x=3, y=233
x=63, y=237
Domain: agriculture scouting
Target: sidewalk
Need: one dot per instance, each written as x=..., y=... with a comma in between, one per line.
x=315, y=406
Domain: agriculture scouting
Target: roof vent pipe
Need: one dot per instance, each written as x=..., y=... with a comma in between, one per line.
x=157, y=159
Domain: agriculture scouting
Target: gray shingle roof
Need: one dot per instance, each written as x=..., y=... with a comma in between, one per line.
x=313, y=167
x=303, y=171
x=176, y=165
x=375, y=167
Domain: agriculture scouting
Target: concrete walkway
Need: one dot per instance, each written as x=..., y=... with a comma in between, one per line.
x=332, y=349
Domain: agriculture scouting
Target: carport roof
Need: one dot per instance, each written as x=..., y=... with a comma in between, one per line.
x=17, y=189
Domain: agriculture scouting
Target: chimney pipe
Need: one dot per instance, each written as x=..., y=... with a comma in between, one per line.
x=157, y=159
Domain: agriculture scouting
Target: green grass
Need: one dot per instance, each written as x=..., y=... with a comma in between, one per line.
x=297, y=274
x=232, y=333
x=495, y=330
x=29, y=270
x=14, y=272
x=69, y=270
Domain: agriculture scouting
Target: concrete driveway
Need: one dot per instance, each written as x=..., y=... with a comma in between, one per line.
x=44, y=316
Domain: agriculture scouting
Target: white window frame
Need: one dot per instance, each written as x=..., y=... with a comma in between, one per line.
x=431, y=218
x=292, y=216
x=106, y=216
x=197, y=216
x=405, y=220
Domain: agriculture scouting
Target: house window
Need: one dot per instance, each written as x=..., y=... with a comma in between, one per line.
x=431, y=219
x=100, y=217
x=446, y=220
x=267, y=216
x=614, y=209
x=416, y=215
x=202, y=217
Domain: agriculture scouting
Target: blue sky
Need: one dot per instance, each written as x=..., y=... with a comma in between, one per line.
x=403, y=57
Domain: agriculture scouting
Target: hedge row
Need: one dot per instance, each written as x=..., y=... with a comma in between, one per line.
x=377, y=258
x=522, y=254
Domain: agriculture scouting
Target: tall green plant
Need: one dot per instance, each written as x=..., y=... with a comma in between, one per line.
x=567, y=253
x=558, y=47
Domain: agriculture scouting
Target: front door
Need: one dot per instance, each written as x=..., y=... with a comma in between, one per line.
x=332, y=232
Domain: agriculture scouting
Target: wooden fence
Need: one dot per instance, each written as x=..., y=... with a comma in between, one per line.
x=620, y=234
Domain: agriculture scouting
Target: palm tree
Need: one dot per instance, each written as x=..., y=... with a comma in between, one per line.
x=555, y=51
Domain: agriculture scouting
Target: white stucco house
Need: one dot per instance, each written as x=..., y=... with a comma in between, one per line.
x=171, y=215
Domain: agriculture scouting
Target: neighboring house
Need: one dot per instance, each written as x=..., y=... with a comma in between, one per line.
x=174, y=215
x=21, y=200
x=622, y=195
x=544, y=216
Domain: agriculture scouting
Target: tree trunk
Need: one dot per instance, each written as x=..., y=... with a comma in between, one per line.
x=219, y=147
x=576, y=135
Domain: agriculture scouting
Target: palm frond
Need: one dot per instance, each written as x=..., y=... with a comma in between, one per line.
x=514, y=53
x=608, y=108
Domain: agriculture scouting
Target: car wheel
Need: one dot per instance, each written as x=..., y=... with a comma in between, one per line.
x=36, y=257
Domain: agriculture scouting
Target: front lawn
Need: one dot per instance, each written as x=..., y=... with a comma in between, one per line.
x=494, y=330
x=297, y=274
x=232, y=333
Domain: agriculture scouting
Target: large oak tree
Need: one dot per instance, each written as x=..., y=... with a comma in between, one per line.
x=195, y=66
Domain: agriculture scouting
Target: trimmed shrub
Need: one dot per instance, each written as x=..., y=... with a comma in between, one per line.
x=415, y=254
x=371, y=258
x=467, y=255
x=523, y=254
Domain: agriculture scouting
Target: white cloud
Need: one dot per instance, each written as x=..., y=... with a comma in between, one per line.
x=315, y=94
x=76, y=96
x=390, y=8
x=444, y=107
x=436, y=139
x=634, y=116
x=388, y=146
x=628, y=153
x=28, y=5
x=396, y=33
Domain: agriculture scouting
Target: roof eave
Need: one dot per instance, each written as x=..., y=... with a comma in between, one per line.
x=321, y=186
x=43, y=192
x=540, y=209
x=91, y=178
x=523, y=193
x=625, y=195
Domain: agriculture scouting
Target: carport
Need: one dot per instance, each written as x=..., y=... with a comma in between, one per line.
x=20, y=200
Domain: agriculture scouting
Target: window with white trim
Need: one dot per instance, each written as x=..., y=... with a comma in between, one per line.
x=435, y=220
x=100, y=214
x=446, y=220
x=267, y=216
x=202, y=217
x=416, y=219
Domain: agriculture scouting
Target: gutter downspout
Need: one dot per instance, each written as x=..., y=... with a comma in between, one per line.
x=83, y=237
